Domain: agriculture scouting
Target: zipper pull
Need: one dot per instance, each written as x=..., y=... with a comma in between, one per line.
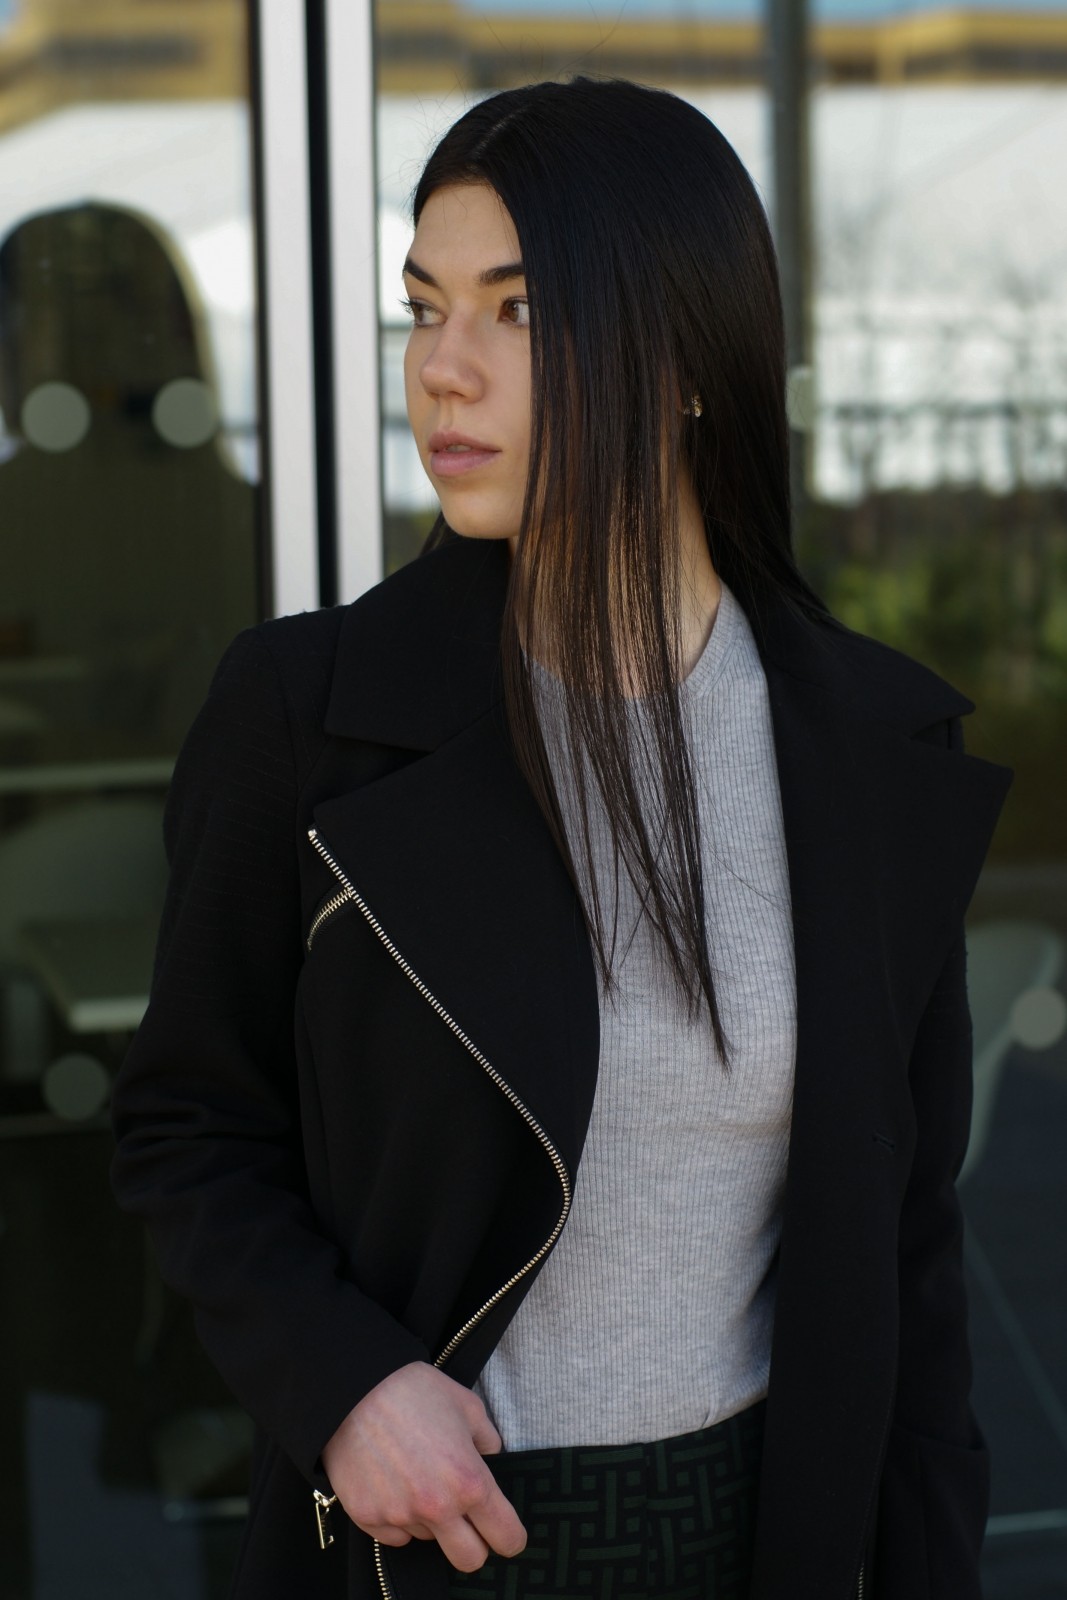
x=323, y=1502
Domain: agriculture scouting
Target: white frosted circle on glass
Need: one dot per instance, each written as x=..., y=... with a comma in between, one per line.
x=1039, y=1018
x=55, y=416
x=75, y=1087
x=184, y=413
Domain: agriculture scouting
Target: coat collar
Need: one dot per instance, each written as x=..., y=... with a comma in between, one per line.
x=417, y=656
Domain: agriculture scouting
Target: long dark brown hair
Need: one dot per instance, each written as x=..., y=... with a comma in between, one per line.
x=651, y=276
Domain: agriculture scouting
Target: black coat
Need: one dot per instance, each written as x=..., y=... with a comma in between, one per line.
x=355, y=1157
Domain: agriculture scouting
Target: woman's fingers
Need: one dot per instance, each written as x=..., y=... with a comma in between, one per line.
x=462, y=1544
x=395, y=1537
x=491, y=1524
x=487, y=1440
x=497, y=1521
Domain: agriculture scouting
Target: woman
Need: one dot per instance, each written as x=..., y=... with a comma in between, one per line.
x=532, y=915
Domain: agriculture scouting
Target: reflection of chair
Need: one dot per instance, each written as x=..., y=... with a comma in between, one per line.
x=89, y=859
x=1011, y=967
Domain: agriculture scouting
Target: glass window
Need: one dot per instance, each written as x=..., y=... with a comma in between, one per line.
x=930, y=410
x=130, y=554
x=935, y=520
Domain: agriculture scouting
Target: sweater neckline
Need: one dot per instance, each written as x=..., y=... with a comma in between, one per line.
x=708, y=666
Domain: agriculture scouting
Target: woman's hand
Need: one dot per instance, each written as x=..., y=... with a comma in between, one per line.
x=406, y=1463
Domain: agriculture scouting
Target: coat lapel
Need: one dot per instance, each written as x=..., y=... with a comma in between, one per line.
x=885, y=836
x=454, y=859
x=451, y=852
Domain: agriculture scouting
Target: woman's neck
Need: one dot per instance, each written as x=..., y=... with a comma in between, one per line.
x=700, y=585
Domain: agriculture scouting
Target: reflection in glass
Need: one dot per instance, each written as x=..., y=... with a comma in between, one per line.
x=54, y=416
x=121, y=485
x=130, y=535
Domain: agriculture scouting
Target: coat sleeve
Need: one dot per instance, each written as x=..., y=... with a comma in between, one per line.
x=935, y=1486
x=206, y=1108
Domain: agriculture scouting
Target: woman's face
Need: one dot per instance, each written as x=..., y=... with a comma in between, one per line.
x=467, y=363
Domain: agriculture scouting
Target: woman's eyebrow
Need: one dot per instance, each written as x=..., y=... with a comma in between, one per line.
x=486, y=280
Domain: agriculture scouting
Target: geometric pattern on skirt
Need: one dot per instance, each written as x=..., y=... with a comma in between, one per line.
x=669, y=1520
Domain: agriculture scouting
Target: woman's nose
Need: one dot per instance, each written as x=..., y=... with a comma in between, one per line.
x=451, y=365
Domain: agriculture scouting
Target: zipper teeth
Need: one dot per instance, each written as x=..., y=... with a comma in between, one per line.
x=347, y=892
x=379, y=1567
x=860, y=1584
x=334, y=903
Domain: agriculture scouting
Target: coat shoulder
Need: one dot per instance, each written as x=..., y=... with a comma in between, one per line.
x=302, y=635
x=303, y=648
x=886, y=681
x=411, y=598
x=278, y=674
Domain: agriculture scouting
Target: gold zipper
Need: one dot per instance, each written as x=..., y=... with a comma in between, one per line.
x=323, y=1502
x=379, y=1567
x=334, y=903
x=346, y=893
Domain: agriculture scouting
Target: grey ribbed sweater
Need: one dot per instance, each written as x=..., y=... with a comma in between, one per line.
x=653, y=1314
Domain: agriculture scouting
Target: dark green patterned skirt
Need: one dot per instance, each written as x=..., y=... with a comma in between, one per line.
x=672, y=1520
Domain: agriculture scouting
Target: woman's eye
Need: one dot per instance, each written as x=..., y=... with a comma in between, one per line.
x=516, y=310
x=414, y=309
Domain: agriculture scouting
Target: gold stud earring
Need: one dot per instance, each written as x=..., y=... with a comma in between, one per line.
x=695, y=408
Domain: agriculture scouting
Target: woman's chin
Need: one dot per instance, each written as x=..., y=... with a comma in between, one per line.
x=472, y=528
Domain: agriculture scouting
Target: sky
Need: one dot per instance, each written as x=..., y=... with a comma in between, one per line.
x=722, y=8
x=613, y=9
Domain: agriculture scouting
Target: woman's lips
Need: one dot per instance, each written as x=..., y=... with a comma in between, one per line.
x=451, y=463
